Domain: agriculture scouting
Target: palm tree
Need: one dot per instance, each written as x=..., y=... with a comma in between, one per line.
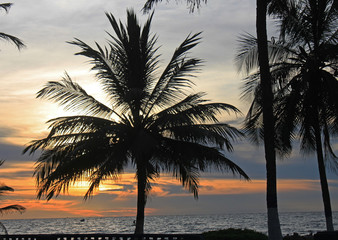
x=311, y=92
x=304, y=67
x=274, y=230
x=18, y=43
x=266, y=100
x=10, y=208
x=149, y=122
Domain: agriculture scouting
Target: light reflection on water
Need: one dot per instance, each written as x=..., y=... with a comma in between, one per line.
x=303, y=223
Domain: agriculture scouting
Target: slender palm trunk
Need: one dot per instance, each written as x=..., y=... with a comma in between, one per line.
x=268, y=123
x=323, y=181
x=141, y=199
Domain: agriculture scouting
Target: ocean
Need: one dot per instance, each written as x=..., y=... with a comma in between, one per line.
x=300, y=222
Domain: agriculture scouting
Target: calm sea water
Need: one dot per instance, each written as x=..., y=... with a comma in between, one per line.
x=302, y=223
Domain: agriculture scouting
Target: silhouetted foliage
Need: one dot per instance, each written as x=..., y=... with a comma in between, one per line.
x=303, y=65
x=11, y=208
x=18, y=43
x=266, y=101
x=151, y=121
x=192, y=4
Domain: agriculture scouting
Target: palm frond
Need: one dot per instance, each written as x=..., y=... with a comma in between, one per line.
x=55, y=167
x=12, y=208
x=253, y=123
x=6, y=6
x=56, y=171
x=110, y=170
x=136, y=58
x=4, y=189
x=189, y=177
x=220, y=135
x=175, y=153
x=192, y=4
x=106, y=72
x=184, y=104
x=16, y=41
x=329, y=152
x=66, y=130
x=247, y=55
x=250, y=87
x=198, y=114
x=73, y=97
x=175, y=77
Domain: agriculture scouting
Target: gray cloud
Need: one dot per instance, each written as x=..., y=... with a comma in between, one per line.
x=12, y=154
x=5, y=132
x=17, y=175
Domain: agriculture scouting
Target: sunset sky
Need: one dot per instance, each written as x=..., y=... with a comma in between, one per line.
x=46, y=25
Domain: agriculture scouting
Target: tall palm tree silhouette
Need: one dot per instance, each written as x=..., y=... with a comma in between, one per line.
x=310, y=104
x=151, y=122
x=274, y=230
x=266, y=97
x=304, y=66
x=18, y=43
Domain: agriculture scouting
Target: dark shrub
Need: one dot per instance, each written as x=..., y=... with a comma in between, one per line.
x=326, y=235
x=234, y=234
x=295, y=236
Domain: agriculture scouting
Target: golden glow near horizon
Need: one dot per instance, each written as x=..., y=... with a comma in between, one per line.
x=118, y=193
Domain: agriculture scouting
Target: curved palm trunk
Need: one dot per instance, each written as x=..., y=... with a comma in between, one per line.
x=3, y=228
x=323, y=180
x=141, y=199
x=268, y=123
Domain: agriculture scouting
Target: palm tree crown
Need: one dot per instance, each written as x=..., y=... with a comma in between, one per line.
x=150, y=121
x=304, y=70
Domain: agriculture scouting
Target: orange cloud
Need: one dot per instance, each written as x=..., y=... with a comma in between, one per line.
x=124, y=193
x=126, y=186
x=17, y=167
x=207, y=187
x=233, y=186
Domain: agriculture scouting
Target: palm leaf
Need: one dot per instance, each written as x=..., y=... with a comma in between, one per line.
x=202, y=157
x=6, y=6
x=17, y=42
x=217, y=134
x=174, y=78
x=12, y=208
x=65, y=130
x=4, y=189
x=73, y=97
x=192, y=4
